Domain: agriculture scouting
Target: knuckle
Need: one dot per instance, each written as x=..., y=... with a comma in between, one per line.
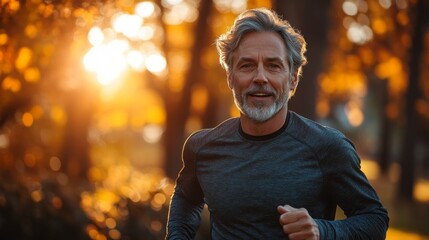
x=285, y=229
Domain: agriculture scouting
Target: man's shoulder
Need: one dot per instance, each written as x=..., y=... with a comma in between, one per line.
x=311, y=131
x=205, y=135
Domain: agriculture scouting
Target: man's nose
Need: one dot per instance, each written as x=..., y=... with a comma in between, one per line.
x=261, y=75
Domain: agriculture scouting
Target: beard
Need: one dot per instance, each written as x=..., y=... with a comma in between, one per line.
x=260, y=112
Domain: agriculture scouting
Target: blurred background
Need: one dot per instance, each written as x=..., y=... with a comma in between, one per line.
x=97, y=98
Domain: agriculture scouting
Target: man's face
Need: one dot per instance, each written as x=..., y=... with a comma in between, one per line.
x=260, y=76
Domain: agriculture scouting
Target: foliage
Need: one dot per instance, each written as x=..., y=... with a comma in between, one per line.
x=370, y=43
x=81, y=140
x=43, y=92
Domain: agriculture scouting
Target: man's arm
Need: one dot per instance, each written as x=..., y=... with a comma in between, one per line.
x=187, y=202
x=184, y=217
x=349, y=188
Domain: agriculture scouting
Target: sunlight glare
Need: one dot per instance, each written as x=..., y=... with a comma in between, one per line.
x=4, y=141
x=107, y=61
x=155, y=63
x=95, y=36
x=233, y=6
x=171, y=2
x=359, y=34
x=145, y=9
x=354, y=113
x=118, y=46
x=127, y=24
x=146, y=32
x=180, y=13
x=91, y=60
x=238, y=6
x=350, y=8
x=136, y=60
x=385, y=3
x=152, y=133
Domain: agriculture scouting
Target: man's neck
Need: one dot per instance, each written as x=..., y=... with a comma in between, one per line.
x=254, y=128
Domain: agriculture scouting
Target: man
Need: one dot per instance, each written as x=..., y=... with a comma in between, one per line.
x=271, y=174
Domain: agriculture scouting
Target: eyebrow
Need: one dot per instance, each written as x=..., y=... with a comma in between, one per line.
x=270, y=59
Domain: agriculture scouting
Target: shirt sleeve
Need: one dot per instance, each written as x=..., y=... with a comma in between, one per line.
x=187, y=202
x=348, y=187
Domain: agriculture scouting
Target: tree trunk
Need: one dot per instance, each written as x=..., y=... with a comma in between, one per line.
x=385, y=133
x=407, y=161
x=178, y=106
x=75, y=150
x=312, y=19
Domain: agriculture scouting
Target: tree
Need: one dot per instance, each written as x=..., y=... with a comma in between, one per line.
x=35, y=39
x=313, y=20
x=408, y=155
x=178, y=104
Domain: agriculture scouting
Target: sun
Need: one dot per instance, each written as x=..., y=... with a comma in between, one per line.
x=117, y=49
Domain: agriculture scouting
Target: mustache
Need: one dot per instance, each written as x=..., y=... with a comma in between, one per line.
x=260, y=89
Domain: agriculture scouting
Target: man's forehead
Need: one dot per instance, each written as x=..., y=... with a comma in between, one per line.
x=259, y=53
x=267, y=44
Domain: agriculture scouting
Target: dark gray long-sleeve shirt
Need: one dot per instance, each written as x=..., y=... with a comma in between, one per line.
x=243, y=179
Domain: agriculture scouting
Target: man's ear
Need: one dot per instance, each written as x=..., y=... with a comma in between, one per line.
x=294, y=82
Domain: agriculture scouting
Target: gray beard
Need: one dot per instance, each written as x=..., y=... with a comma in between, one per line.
x=259, y=113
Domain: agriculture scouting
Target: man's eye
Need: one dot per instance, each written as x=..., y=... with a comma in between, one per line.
x=246, y=66
x=274, y=66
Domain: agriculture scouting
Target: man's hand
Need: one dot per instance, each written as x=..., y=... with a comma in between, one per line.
x=297, y=224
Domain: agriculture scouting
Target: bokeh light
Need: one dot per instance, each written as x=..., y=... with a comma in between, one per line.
x=156, y=63
x=145, y=9
x=138, y=54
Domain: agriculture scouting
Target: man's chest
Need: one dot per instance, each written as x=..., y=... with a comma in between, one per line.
x=258, y=179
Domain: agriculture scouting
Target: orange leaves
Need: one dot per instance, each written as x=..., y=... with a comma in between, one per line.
x=199, y=98
x=27, y=119
x=392, y=70
x=31, y=31
x=12, y=6
x=343, y=84
x=379, y=26
x=388, y=68
x=11, y=84
x=58, y=115
x=115, y=120
x=347, y=86
x=32, y=74
x=22, y=63
x=3, y=38
x=23, y=59
x=85, y=17
x=46, y=10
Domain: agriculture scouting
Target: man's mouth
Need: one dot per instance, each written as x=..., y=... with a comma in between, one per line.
x=260, y=94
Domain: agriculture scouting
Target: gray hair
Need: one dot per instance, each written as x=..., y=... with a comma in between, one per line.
x=260, y=20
